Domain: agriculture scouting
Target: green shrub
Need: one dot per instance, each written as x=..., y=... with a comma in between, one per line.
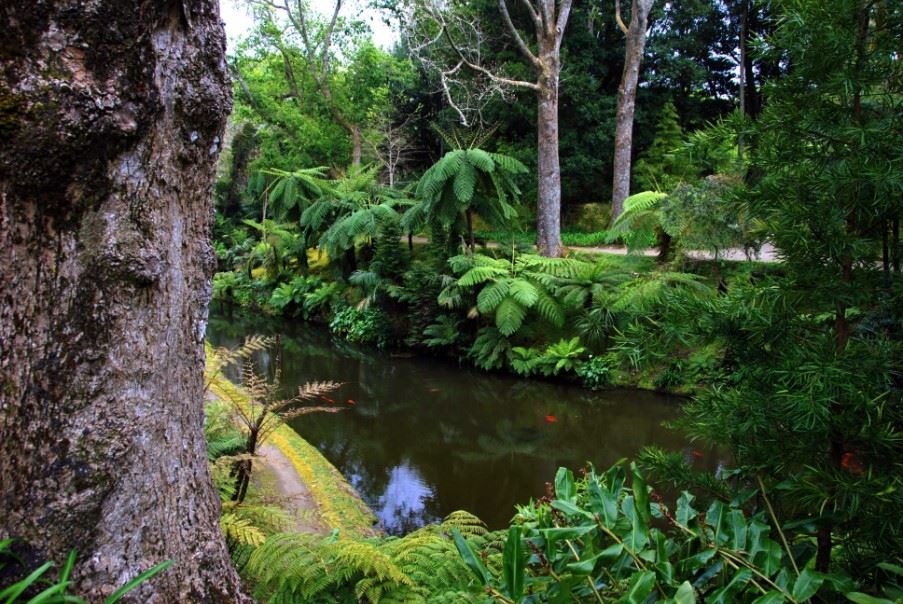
x=563, y=356
x=587, y=217
x=362, y=326
x=595, y=373
x=598, y=540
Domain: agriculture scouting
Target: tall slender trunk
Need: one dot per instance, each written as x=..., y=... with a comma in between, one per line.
x=895, y=243
x=356, y=149
x=633, y=58
x=548, y=215
x=106, y=174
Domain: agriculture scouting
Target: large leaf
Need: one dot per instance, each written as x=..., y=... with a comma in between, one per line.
x=464, y=184
x=565, y=487
x=470, y=558
x=491, y=295
x=509, y=316
x=641, y=585
x=514, y=559
x=524, y=292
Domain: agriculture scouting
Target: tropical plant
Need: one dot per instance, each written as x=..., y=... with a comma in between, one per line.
x=275, y=240
x=464, y=182
x=564, y=355
x=598, y=540
x=258, y=406
x=423, y=566
x=490, y=349
x=639, y=225
x=353, y=212
x=292, y=191
x=303, y=295
x=445, y=331
x=361, y=325
x=595, y=373
x=513, y=287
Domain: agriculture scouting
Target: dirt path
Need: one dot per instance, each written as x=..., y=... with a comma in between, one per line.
x=766, y=254
x=274, y=474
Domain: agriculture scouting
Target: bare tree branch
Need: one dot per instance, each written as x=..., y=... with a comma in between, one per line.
x=620, y=21
x=564, y=12
x=524, y=49
x=488, y=73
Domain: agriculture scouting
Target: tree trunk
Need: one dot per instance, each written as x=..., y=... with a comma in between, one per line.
x=548, y=215
x=111, y=114
x=355, y=145
x=633, y=57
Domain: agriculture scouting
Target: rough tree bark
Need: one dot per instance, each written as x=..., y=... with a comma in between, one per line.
x=111, y=113
x=633, y=57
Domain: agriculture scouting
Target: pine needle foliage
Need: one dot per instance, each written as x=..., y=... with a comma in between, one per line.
x=423, y=566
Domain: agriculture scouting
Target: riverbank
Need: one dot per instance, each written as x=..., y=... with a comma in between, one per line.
x=294, y=475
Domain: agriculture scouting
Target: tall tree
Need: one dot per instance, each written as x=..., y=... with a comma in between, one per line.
x=461, y=34
x=316, y=49
x=633, y=57
x=111, y=115
x=814, y=405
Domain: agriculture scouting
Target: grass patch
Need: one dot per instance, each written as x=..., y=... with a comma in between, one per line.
x=573, y=238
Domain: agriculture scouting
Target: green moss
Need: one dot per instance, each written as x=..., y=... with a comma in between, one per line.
x=10, y=113
x=338, y=504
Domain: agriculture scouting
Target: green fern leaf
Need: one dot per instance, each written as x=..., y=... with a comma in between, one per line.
x=491, y=295
x=509, y=316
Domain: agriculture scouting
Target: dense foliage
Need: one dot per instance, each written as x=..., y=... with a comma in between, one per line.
x=793, y=365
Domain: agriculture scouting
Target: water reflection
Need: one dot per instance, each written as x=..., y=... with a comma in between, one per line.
x=426, y=437
x=403, y=505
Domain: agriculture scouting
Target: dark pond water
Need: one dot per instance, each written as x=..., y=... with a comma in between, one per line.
x=425, y=437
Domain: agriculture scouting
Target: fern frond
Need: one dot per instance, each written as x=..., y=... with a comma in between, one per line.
x=509, y=316
x=491, y=295
x=312, y=390
x=241, y=531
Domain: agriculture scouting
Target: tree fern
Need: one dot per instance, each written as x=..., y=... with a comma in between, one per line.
x=464, y=181
x=419, y=567
x=512, y=288
x=640, y=221
x=292, y=191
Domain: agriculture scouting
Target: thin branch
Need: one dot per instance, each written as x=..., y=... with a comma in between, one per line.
x=486, y=72
x=525, y=50
x=563, y=14
x=327, y=38
x=620, y=21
